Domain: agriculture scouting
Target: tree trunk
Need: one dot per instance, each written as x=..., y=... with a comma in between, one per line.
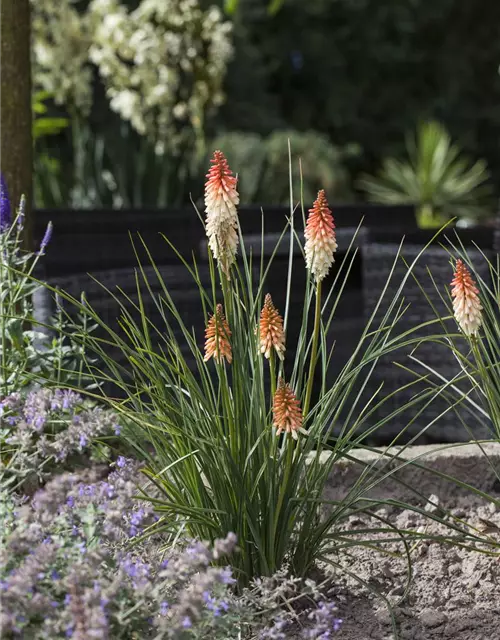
x=16, y=151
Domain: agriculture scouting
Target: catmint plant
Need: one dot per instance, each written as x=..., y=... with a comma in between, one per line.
x=73, y=565
x=29, y=350
x=47, y=430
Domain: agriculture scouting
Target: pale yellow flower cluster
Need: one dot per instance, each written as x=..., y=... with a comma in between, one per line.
x=61, y=38
x=162, y=64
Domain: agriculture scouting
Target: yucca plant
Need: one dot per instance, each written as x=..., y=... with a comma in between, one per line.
x=436, y=177
x=473, y=304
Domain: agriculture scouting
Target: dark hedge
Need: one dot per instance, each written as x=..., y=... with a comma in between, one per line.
x=366, y=71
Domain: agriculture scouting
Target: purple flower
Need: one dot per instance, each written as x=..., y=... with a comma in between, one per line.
x=70, y=502
x=83, y=441
x=82, y=547
x=121, y=462
x=117, y=429
x=186, y=623
x=39, y=422
x=163, y=608
x=5, y=213
x=46, y=239
x=226, y=576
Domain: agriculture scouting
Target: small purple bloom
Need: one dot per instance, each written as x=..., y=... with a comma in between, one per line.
x=186, y=623
x=83, y=441
x=226, y=576
x=82, y=547
x=121, y=462
x=39, y=422
x=117, y=429
x=70, y=502
x=137, y=517
x=46, y=239
x=5, y=213
x=163, y=608
x=55, y=575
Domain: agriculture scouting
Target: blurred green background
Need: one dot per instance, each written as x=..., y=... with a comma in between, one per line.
x=350, y=82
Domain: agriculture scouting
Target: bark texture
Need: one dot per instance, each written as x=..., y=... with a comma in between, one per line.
x=16, y=151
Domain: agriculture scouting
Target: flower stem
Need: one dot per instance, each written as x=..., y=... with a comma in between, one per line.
x=314, y=350
x=290, y=445
x=272, y=374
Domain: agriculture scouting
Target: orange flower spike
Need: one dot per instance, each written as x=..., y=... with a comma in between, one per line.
x=466, y=304
x=217, y=336
x=321, y=241
x=221, y=198
x=272, y=335
x=286, y=411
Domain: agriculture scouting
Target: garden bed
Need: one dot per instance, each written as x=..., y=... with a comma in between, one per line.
x=455, y=593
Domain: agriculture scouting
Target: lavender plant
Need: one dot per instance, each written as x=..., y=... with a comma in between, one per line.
x=74, y=564
x=29, y=350
x=46, y=431
x=68, y=569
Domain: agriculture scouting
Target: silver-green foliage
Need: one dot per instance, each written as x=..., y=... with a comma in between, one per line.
x=30, y=350
x=205, y=431
x=264, y=174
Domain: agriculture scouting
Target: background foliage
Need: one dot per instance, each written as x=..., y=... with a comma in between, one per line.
x=366, y=71
x=359, y=72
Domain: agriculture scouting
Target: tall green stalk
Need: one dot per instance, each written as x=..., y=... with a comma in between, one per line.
x=314, y=349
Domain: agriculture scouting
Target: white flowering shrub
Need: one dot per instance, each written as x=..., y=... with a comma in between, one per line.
x=61, y=41
x=162, y=65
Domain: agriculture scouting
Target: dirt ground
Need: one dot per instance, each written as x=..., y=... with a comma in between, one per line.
x=454, y=593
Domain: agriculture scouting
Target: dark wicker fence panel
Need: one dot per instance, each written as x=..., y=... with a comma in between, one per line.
x=99, y=243
x=378, y=260
x=89, y=241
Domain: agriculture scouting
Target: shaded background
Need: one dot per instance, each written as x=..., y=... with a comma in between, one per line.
x=344, y=79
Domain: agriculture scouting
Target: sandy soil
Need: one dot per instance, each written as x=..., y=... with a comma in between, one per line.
x=454, y=593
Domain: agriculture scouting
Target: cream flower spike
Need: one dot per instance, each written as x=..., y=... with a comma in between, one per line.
x=466, y=304
x=321, y=242
x=221, y=198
